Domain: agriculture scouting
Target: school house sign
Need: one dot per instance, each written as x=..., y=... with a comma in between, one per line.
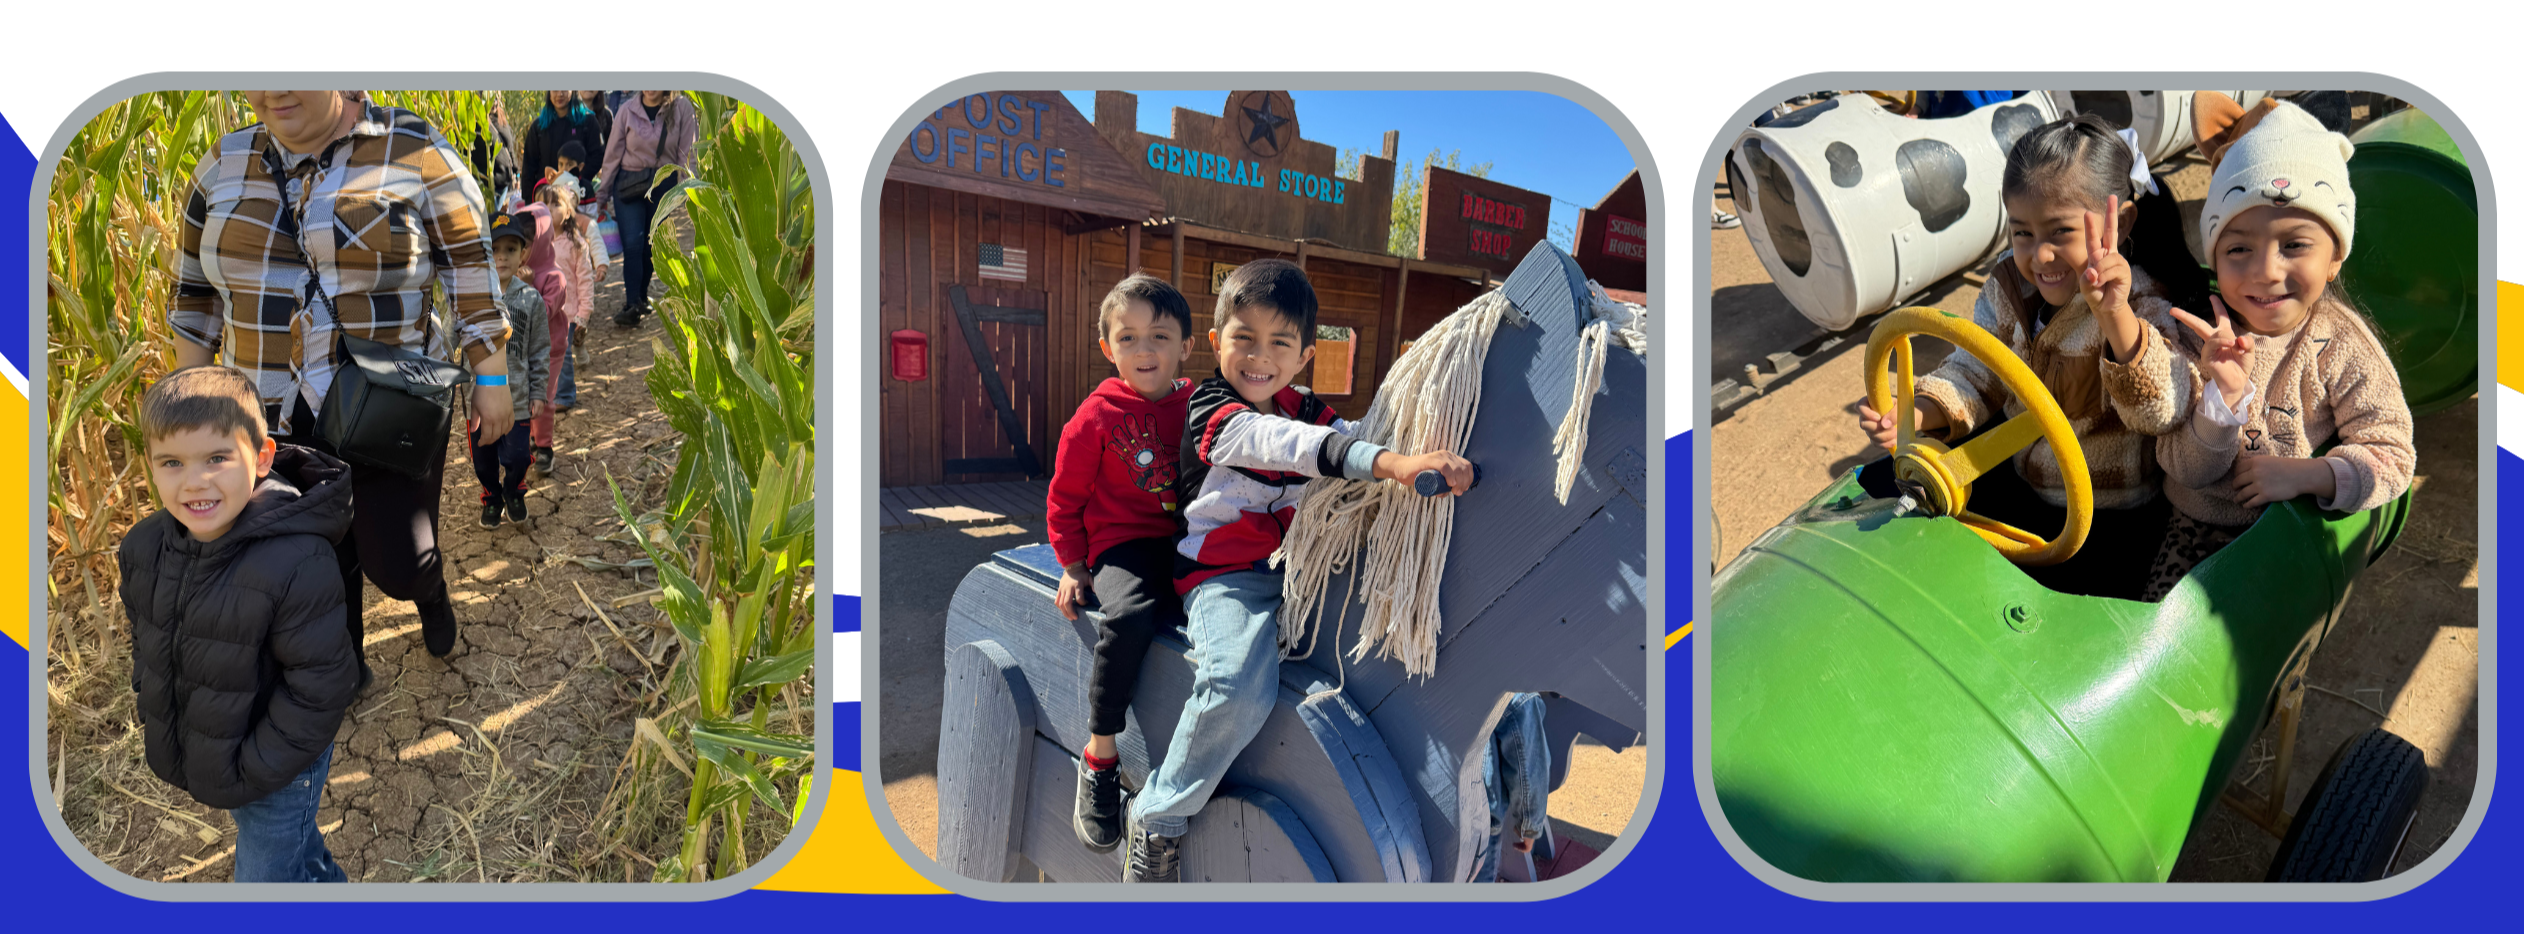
x=1029, y=146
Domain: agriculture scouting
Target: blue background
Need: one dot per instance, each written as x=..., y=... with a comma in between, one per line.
x=1677, y=876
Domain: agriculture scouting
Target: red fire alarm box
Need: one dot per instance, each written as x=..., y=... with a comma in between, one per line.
x=911, y=356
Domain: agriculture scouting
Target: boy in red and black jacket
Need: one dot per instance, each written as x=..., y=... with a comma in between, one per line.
x=1113, y=522
x=1251, y=443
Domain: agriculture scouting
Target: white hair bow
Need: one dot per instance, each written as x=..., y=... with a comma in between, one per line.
x=2140, y=180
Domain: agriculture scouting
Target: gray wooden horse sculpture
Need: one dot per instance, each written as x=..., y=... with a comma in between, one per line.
x=1381, y=779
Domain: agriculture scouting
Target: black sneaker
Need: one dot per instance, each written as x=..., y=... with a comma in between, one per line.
x=1151, y=858
x=629, y=317
x=438, y=626
x=1098, y=815
x=543, y=465
x=517, y=507
x=490, y=514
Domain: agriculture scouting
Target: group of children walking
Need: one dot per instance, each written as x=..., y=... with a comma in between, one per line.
x=2226, y=413
x=1167, y=499
x=549, y=262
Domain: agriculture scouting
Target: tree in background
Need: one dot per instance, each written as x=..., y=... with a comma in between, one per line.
x=1403, y=238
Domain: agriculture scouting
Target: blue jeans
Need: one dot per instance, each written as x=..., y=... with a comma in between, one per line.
x=277, y=840
x=1233, y=623
x=632, y=215
x=565, y=394
x=1516, y=768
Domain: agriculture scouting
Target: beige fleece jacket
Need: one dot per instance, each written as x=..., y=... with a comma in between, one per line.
x=2116, y=409
x=2328, y=378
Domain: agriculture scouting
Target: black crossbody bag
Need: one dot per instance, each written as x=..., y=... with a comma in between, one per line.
x=388, y=409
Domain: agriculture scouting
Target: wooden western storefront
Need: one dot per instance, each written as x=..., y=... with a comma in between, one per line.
x=981, y=259
x=979, y=249
x=1612, y=237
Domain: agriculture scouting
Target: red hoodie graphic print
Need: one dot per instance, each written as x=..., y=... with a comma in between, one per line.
x=1113, y=478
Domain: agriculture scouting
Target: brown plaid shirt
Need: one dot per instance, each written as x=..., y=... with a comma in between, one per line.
x=382, y=213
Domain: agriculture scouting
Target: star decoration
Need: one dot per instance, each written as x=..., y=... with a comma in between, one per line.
x=1266, y=124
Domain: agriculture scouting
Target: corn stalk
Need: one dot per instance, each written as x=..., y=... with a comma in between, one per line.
x=734, y=557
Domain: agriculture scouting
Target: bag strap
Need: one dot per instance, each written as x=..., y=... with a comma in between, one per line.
x=666, y=117
x=278, y=168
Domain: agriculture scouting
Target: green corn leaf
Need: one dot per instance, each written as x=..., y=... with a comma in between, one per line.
x=741, y=736
x=81, y=401
x=729, y=758
x=776, y=670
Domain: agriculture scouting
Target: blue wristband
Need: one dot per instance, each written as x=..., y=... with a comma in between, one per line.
x=493, y=379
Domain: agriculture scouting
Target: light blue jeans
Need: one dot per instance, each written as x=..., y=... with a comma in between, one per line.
x=1516, y=768
x=277, y=840
x=1233, y=623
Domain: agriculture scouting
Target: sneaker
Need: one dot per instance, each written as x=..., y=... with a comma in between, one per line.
x=1151, y=858
x=543, y=465
x=1720, y=220
x=517, y=507
x=1098, y=815
x=438, y=626
x=629, y=317
x=490, y=514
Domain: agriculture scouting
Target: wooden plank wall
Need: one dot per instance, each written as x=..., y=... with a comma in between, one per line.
x=1350, y=295
x=1431, y=299
x=930, y=238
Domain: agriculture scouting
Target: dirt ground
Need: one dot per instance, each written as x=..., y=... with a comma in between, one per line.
x=2405, y=655
x=919, y=570
x=490, y=765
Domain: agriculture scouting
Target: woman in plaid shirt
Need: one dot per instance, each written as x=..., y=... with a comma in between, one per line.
x=335, y=214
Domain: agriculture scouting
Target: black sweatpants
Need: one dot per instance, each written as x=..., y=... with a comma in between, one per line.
x=394, y=530
x=2120, y=547
x=1134, y=586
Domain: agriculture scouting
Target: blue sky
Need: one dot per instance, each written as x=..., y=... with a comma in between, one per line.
x=1535, y=141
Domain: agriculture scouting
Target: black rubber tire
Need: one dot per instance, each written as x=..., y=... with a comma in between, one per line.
x=2354, y=818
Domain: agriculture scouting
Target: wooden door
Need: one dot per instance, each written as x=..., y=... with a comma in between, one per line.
x=993, y=422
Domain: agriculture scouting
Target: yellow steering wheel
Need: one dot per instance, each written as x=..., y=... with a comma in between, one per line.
x=1939, y=478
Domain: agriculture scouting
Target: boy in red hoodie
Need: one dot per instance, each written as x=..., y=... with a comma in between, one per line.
x=1111, y=513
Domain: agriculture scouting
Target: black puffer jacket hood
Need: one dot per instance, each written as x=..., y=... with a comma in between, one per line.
x=241, y=650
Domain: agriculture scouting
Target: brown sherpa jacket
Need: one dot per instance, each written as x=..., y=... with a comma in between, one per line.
x=2115, y=408
x=2328, y=378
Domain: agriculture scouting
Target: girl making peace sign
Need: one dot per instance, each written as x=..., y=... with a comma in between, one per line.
x=2096, y=328
x=2289, y=363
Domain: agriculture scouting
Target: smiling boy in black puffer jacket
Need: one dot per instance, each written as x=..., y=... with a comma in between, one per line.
x=241, y=650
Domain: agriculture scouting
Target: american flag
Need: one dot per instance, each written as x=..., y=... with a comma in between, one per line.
x=1003, y=262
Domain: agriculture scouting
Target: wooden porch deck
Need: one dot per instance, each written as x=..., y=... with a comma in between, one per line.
x=960, y=504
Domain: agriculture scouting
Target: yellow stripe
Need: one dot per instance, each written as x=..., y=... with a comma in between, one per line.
x=1677, y=636
x=846, y=853
x=16, y=480
x=2510, y=336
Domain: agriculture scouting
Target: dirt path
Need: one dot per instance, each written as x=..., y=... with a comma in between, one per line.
x=491, y=764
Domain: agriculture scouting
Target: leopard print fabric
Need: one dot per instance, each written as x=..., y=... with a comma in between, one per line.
x=2188, y=542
